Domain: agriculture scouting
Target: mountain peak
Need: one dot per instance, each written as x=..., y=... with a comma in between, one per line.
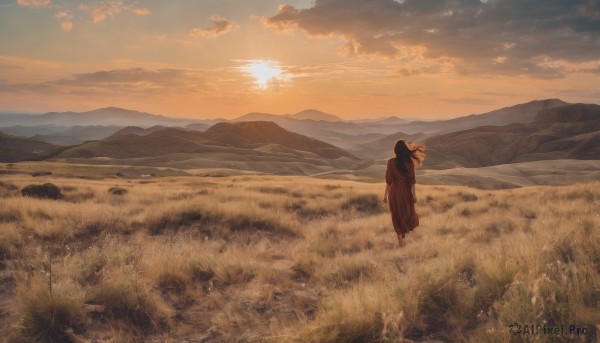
x=112, y=108
x=257, y=127
x=317, y=115
x=266, y=132
x=258, y=116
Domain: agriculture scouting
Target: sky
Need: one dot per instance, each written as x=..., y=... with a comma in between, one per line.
x=353, y=58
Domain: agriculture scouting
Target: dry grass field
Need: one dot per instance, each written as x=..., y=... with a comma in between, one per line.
x=293, y=259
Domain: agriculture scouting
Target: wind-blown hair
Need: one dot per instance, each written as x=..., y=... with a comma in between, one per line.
x=407, y=152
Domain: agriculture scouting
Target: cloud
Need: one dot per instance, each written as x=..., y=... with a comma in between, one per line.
x=100, y=10
x=430, y=69
x=35, y=3
x=66, y=26
x=131, y=81
x=495, y=37
x=219, y=27
x=140, y=11
x=66, y=20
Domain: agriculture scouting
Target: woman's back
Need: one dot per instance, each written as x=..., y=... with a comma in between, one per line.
x=393, y=175
x=400, y=191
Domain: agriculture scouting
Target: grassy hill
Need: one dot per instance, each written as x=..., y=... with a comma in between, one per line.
x=13, y=148
x=263, y=147
x=293, y=259
x=520, y=113
x=162, y=141
x=137, y=131
x=571, y=131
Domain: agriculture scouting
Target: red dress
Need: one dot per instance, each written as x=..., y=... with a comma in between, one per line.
x=400, y=196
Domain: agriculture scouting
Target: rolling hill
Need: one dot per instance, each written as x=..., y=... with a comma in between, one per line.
x=137, y=131
x=248, y=133
x=566, y=132
x=73, y=135
x=344, y=134
x=369, y=136
x=258, y=146
x=521, y=113
x=383, y=147
x=14, y=149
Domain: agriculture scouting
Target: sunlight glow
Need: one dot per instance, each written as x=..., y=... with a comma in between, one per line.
x=264, y=72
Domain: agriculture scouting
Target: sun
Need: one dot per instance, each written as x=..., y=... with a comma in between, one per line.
x=264, y=72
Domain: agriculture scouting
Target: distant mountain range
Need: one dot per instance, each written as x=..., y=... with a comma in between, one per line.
x=61, y=134
x=521, y=113
x=310, y=141
x=68, y=128
x=310, y=114
x=112, y=116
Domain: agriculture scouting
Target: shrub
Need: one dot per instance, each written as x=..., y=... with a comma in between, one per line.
x=47, y=191
x=40, y=173
x=8, y=215
x=366, y=203
x=273, y=190
x=467, y=196
x=174, y=219
x=258, y=221
x=117, y=191
x=332, y=187
x=8, y=186
x=7, y=189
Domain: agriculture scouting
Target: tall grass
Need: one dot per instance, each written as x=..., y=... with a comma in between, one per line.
x=295, y=259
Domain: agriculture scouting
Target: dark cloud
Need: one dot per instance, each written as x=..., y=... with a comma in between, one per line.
x=119, y=81
x=508, y=37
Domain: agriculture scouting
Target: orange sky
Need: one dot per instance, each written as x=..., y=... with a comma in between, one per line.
x=351, y=58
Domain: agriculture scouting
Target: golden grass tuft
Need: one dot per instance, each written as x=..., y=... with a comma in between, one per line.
x=127, y=298
x=10, y=240
x=48, y=313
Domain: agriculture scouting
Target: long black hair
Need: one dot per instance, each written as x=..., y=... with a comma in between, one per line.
x=407, y=152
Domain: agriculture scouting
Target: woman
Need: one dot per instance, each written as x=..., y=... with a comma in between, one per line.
x=400, y=190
